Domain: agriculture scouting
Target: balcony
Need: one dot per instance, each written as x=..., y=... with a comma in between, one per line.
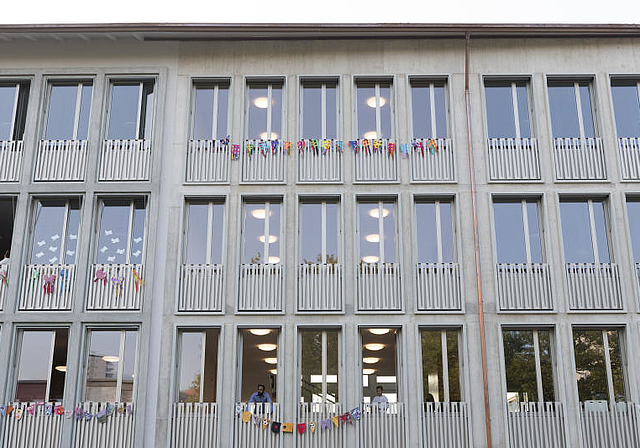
x=261, y=287
x=61, y=160
x=445, y=424
x=319, y=287
x=534, y=425
x=37, y=430
x=10, y=160
x=373, y=162
x=115, y=287
x=438, y=287
x=432, y=163
x=579, y=159
x=125, y=160
x=513, y=159
x=524, y=286
x=202, y=288
x=605, y=425
x=117, y=431
x=194, y=425
x=382, y=427
x=592, y=286
x=316, y=163
x=316, y=412
x=629, y=151
x=47, y=287
x=263, y=161
x=207, y=161
x=250, y=435
x=379, y=287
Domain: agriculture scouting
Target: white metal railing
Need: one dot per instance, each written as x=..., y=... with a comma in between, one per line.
x=316, y=412
x=251, y=434
x=629, y=151
x=33, y=430
x=4, y=284
x=194, y=425
x=524, y=286
x=513, y=159
x=115, y=287
x=445, y=425
x=263, y=163
x=382, y=427
x=61, y=160
x=592, y=286
x=534, y=425
x=431, y=164
x=319, y=287
x=261, y=287
x=375, y=164
x=202, y=287
x=579, y=159
x=604, y=427
x=320, y=164
x=47, y=287
x=128, y=160
x=208, y=161
x=438, y=286
x=116, y=431
x=379, y=286
x=10, y=160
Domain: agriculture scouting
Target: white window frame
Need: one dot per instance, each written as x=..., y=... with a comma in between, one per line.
x=14, y=115
x=65, y=225
x=141, y=84
x=210, y=230
x=576, y=93
x=376, y=84
x=267, y=204
x=76, y=117
x=514, y=101
x=436, y=201
x=525, y=224
x=592, y=228
x=380, y=218
x=614, y=83
x=323, y=83
x=445, y=360
x=323, y=202
x=431, y=84
x=203, y=335
x=101, y=208
x=215, y=84
x=324, y=361
x=269, y=83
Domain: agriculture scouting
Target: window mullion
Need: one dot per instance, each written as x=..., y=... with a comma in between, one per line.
x=438, y=232
x=381, y=231
x=63, y=237
x=323, y=110
x=324, y=366
x=267, y=232
x=209, y=232
x=576, y=91
x=269, y=110
x=15, y=112
x=139, y=117
x=214, y=114
x=50, y=365
x=525, y=227
x=445, y=365
x=130, y=232
x=324, y=233
x=378, y=126
x=516, y=114
x=607, y=362
x=202, y=364
x=120, y=367
x=594, y=235
x=76, y=115
x=536, y=352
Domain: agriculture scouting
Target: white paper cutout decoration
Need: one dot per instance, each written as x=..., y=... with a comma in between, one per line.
x=120, y=251
x=55, y=237
x=108, y=232
x=103, y=249
x=115, y=240
x=42, y=243
x=111, y=259
x=137, y=240
x=39, y=254
x=137, y=253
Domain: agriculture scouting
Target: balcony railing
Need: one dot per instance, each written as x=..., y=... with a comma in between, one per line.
x=263, y=161
x=261, y=287
x=33, y=430
x=317, y=412
x=125, y=160
x=379, y=287
x=432, y=164
x=202, y=287
x=250, y=435
x=579, y=159
x=535, y=425
x=593, y=286
x=524, y=286
x=515, y=159
x=603, y=426
x=4, y=284
x=318, y=164
x=319, y=287
x=629, y=151
x=47, y=287
x=382, y=426
x=60, y=160
x=445, y=425
x=194, y=425
x=116, y=287
x=438, y=287
x=374, y=162
x=10, y=160
x=208, y=161
x=116, y=431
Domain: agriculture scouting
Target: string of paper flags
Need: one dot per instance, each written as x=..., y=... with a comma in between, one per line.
x=80, y=414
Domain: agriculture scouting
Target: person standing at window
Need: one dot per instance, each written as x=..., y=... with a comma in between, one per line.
x=260, y=398
x=380, y=401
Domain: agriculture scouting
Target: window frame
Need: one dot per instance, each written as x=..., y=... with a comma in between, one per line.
x=399, y=364
x=437, y=200
x=431, y=83
x=65, y=226
x=81, y=83
x=142, y=82
x=380, y=200
x=323, y=330
x=445, y=351
x=333, y=81
x=239, y=374
x=215, y=83
x=266, y=200
x=576, y=81
x=377, y=82
x=210, y=202
x=269, y=82
x=617, y=80
x=180, y=330
x=323, y=200
x=513, y=81
x=20, y=107
x=524, y=200
x=609, y=235
x=98, y=225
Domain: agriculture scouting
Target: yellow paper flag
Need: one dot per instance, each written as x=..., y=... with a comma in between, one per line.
x=312, y=426
x=246, y=416
x=335, y=420
x=265, y=423
x=287, y=427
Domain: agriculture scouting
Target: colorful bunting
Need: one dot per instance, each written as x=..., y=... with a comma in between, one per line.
x=49, y=283
x=257, y=420
x=137, y=279
x=100, y=275
x=265, y=423
x=326, y=424
x=287, y=427
x=275, y=427
x=118, y=283
x=18, y=414
x=312, y=427
x=301, y=427
x=335, y=420
x=235, y=152
x=355, y=413
x=246, y=416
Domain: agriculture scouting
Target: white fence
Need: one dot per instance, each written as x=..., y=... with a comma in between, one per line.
x=116, y=431
x=524, y=286
x=207, y=161
x=438, y=286
x=320, y=165
x=513, y=159
x=261, y=287
x=194, y=425
x=593, y=286
x=382, y=428
x=115, y=287
x=10, y=160
x=431, y=165
x=251, y=434
x=375, y=164
x=125, y=160
x=379, y=286
x=202, y=287
x=316, y=412
x=579, y=159
x=445, y=425
x=629, y=151
x=535, y=425
x=602, y=427
x=319, y=287
x=38, y=430
x=47, y=287
x=61, y=160
x=263, y=164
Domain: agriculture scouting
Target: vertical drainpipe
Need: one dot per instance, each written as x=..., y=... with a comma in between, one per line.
x=483, y=346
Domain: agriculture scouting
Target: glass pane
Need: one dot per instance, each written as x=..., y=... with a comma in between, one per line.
x=332, y=233
x=311, y=233
x=102, y=366
x=590, y=366
x=626, y=106
x=312, y=111
x=47, y=233
x=520, y=366
x=389, y=222
x=137, y=236
x=259, y=363
x=564, y=112
x=189, y=381
x=601, y=231
x=546, y=367
x=7, y=214
x=123, y=115
x=446, y=231
x=311, y=374
x=114, y=232
x=217, y=232
x=617, y=374
x=62, y=112
x=210, y=382
x=576, y=232
x=276, y=112
x=421, y=108
x=366, y=108
x=523, y=110
x=432, y=369
x=197, y=233
x=332, y=112
x=223, y=108
x=73, y=224
x=510, y=242
x=146, y=111
x=203, y=113
x=258, y=104
x=427, y=232
x=633, y=212
x=380, y=380
x=7, y=106
x=274, y=230
x=453, y=359
x=587, y=114
x=369, y=232
x=534, y=232
x=254, y=226
x=333, y=380
x=441, y=112
x=385, y=112
x=34, y=365
x=128, y=371
x=85, y=112
x=500, y=115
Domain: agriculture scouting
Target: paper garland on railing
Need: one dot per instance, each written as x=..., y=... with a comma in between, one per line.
x=348, y=418
x=50, y=409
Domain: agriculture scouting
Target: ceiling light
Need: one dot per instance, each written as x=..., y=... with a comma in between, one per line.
x=260, y=331
x=271, y=360
x=272, y=238
x=371, y=135
x=110, y=358
x=267, y=347
x=374, y=346
x=379, y=331
x=371, y=102
x=274, y=260
x=261, y=102
x=61, y=368
x=273, y=371
x=259, y=213
x=375, y=212
x=373, y=238
x=368, y=371
x=370, y=360
x=265, y=136
x=370, y=259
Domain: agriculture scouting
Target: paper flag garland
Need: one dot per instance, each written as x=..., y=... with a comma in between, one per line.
x=118, y=282
x=3, y=410
x=18, y=414
x=257, y=420
x=100, y=275
x=265, y=422
x=312, y=426
x=101, y=416
x=48, y=409
x=346, y=418
x=137, y=279
x=88, y=416
x=79, y=414
x=275, y=427
x=31, y=409
x=49, y=283
x=9, y=409
x=355, y=413
x=59, y=410
x=301, y=427
x=287, y=427
x=326, y=424
x=246, y=416
x=68, y=413
x=335, y=420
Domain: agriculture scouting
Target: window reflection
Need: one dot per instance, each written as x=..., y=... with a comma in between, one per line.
x=130, y=115
x=13, y=109
x=517, y=229
x=198, y=368
x=440, y=382
x=210, y=108
x=55, y=234
x=319, y=348
x=377, y=232
x=319, y=232
x=204, y=233
x=374, y=110
x=262, y=233
x=584, y=231
x=570, y=106
x=626, y=106
x=121, y=237
x=264, y=110
x=319, y=110
x=507, y=109
x=68, y=113
x=429, y=109
x=434, y=229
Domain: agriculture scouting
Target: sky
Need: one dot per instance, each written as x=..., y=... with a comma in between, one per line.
x=325, y=11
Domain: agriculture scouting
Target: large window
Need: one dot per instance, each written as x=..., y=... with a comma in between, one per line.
x=373, y=109
x=13, y=109
x=55, y=231
x=7, y=216
x=210, y=110
x=262, y=233
x=121, y=234
x=429, y=108
x=42, y=364
x=379, y=365
x=626, y=106
x=377, y=231
x=68, y=112
x=204, y=232
x=633, y=214
x=585, y=231
x=571, y=110
x=264, y=110
x=319, y=231
x=319, y=105
x=131, y=111
x=517, y=226
x=259, y=358
x=198, y=365
x=319, y=366
x=434, y=231
x=440, y=365
x=508, y=113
